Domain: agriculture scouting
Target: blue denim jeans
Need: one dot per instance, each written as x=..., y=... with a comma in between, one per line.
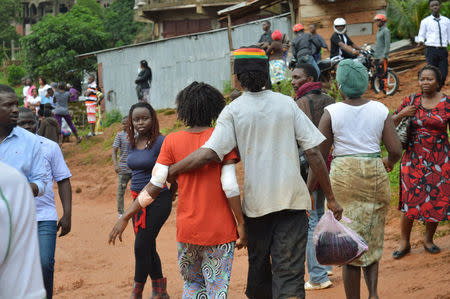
x=317, y=272
x=47, y=242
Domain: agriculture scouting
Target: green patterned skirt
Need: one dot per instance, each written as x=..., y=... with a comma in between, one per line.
x=361, y=186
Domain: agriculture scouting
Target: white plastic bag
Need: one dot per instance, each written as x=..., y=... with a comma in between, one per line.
x=335, y=243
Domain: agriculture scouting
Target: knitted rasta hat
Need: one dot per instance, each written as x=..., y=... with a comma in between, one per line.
x=250, y=59
x=352, y=78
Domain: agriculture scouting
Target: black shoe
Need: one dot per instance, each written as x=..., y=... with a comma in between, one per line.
x=399, y=254
x=433, y=250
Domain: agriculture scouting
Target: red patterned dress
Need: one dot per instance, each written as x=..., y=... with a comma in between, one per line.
x=425, y=166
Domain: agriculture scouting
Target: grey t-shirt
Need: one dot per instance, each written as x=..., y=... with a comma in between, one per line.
x=61, y=105
x=266, y=127
x=383, y=44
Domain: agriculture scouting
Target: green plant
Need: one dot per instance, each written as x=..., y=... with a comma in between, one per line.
x=284, y=87
x=176, y=127
x=334, y=92
x=226, y=87
x=404, y=16
x=51, y=49
x=112, y=117
x=15, y=74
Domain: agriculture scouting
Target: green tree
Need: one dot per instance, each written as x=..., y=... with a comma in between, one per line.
x=9, y=10
x=51, y=48
x=404, y=16
x=119, y=22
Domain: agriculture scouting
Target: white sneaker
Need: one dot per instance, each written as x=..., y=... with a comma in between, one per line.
x=310, y=286
x=330, y=273
x=120, y=215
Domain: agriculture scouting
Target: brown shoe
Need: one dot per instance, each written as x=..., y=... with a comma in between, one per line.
x=137, y=290
x=159, y=289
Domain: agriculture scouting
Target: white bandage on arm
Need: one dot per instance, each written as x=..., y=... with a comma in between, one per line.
x=144, y=198
x=159, y=175
x=229, y=182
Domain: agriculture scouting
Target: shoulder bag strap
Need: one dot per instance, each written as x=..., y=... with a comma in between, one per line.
x=311, y=108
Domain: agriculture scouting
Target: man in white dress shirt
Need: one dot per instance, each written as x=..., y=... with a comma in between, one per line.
x=435, y=33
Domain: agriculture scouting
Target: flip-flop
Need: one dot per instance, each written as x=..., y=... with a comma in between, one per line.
x=399, y=254
x=433, y=250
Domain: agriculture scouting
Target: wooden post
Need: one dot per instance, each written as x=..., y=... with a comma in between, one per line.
x=230, y=45
x=13, y=50
x=230, y=38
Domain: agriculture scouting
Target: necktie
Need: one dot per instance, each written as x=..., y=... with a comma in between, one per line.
x=440, y=34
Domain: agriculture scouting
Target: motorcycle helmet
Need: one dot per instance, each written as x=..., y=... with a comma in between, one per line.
x=340, y=22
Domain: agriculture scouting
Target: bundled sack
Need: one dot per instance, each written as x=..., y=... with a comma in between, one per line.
x=335, y=243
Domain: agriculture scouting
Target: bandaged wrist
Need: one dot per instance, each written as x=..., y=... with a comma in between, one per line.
x=144, y=198
x=159, y=175
x=229, y=181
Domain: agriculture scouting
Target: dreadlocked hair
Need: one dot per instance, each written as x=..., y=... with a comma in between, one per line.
x=253, y=81
x=199, y=104
x=154, y=128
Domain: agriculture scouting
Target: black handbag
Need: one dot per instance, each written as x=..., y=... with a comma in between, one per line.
x=404, y=127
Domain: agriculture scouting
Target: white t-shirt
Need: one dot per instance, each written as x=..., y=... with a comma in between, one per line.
x=357, y=129
x=20, y=264
x=33, y=101
x=25, y=91
x=42, y=91
x=267, y=127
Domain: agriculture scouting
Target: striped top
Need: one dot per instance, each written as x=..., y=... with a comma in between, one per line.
x=250, y=53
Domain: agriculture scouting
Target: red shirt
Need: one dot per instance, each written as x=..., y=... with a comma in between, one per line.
x=203, y=214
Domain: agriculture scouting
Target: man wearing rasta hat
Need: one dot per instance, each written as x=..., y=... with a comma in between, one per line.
x=268, y=127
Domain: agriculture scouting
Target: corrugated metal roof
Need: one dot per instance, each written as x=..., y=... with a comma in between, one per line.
x=175, y=63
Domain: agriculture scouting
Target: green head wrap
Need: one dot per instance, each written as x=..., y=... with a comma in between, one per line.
x=352, y=78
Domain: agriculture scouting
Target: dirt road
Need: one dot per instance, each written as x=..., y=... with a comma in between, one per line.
x=87, y=267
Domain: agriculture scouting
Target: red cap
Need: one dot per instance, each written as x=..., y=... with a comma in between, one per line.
x=380, y=17
x=298, y=27
x=277, y=35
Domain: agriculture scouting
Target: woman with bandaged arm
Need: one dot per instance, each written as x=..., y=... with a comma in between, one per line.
x=210, y=222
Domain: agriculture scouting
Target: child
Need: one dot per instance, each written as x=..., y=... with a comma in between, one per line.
x=121, y=143
x=34, y=100
x=48, y=98
x=206, y=227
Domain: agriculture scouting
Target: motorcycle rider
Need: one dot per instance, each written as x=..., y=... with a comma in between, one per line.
x=304, y=46
x=383, y=44
x=341, y=44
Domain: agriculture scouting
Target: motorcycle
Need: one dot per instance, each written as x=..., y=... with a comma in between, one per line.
x=328, y=71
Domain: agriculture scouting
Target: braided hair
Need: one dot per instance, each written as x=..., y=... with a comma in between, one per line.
x=435, y=70
x=199, y=104
x=154, y=126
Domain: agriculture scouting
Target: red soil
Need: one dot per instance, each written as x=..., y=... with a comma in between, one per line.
x=87, y=267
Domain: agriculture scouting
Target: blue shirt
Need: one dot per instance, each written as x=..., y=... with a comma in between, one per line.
x=22, y=150
x=141, y=163
x=57, y=170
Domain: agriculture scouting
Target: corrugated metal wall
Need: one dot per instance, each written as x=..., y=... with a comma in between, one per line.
x=175, y=63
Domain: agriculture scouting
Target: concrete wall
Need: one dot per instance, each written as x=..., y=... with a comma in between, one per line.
x=175, y=63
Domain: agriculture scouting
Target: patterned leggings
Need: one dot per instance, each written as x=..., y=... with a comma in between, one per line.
x=206, y=270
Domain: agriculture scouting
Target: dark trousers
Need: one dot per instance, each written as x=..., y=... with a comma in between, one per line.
x=439, y=58
x=148, y=262
x=276, y=255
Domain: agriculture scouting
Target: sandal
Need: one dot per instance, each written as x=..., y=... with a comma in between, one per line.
x=399, y=254
x=433, y=250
